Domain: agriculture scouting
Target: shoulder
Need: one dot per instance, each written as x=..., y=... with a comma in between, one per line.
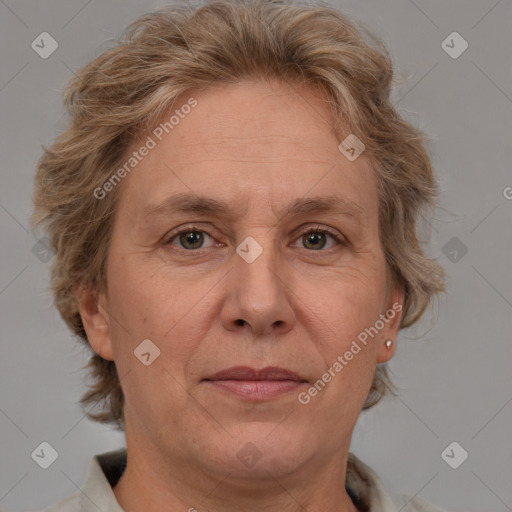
x=96, y=492
x=369, y=494
x=69, y=504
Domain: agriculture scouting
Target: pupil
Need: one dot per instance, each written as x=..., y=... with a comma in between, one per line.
x=315, y=237
x=193, y=238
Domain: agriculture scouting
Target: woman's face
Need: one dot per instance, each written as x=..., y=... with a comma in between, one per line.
x=244, y=286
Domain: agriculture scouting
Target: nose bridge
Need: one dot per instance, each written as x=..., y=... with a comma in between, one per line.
x=258, y=267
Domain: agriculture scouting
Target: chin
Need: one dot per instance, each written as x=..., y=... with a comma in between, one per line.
x=263, y=450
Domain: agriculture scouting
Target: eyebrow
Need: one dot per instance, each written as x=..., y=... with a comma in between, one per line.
x=192, y=203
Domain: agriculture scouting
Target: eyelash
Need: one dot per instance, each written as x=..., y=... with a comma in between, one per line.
x=340, y=240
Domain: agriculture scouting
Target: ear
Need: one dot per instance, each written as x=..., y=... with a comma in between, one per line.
x=391, y=318
x=93, y=309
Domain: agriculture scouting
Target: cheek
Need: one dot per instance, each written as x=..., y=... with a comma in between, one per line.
x=144, y=298
x=147, y=305
x=346, y=353
x=350, y=301
x=147, y=302
x=343, y=312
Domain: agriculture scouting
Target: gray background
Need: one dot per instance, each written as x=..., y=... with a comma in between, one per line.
x=455, y=380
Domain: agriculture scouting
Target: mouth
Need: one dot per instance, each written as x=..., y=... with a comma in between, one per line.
x=250, y=383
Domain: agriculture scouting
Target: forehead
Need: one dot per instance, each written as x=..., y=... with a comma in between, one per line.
x=257, y=121
x=249, y=143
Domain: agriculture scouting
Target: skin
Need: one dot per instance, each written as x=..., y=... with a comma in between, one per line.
x=258, y=146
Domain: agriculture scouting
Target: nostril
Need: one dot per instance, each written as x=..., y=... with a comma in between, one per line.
x=240, y=321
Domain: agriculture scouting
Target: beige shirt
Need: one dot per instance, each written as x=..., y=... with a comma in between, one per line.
x=362, y=484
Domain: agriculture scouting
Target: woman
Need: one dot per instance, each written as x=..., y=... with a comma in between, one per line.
x=233, y=210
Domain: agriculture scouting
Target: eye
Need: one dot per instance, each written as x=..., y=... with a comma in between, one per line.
x=316, y=238
x=189, y=239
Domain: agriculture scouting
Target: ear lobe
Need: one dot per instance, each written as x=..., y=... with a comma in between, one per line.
x=95, y=319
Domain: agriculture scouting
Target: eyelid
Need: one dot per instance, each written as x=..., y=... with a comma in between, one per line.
x=319, y=228
x=185, y=229
x=336, y=235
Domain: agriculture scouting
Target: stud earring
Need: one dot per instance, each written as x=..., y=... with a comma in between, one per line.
x=388, y=343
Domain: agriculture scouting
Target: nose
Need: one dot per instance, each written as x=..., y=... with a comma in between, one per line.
x=259, y=294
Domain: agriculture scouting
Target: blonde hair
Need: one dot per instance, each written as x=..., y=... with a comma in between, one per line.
x=125, y=90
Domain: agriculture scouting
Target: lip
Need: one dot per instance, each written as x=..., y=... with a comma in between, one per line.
x=251, y=383
x=269, y=373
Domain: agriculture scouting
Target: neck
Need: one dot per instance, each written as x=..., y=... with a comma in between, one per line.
x=150, y=482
